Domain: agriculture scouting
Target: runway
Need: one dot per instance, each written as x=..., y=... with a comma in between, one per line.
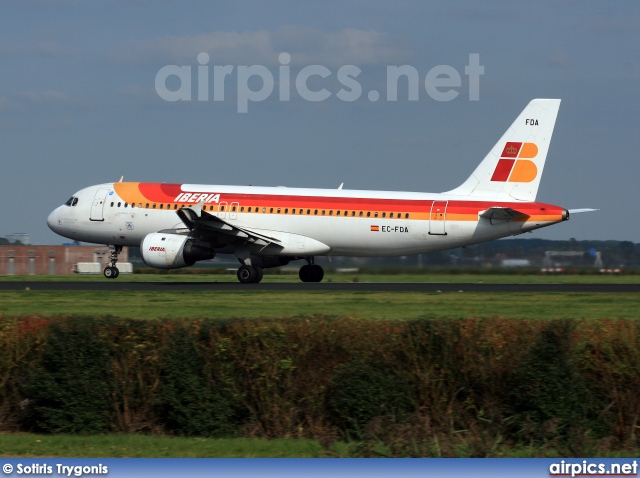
x=115, y=285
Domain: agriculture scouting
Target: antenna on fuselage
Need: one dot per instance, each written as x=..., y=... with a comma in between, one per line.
x=121, y=178
x=341, y=184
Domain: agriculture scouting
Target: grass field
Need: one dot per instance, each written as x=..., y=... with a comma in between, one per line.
x=499, y=278
x=141, y=446
x=373, y=305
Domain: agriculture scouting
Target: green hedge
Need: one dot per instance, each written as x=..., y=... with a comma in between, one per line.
x=426, y=387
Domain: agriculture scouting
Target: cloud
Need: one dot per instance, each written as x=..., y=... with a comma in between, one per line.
x=48, y=95
x=559, y=58
x=6, y=104
x=306, y=45
x=43, y=49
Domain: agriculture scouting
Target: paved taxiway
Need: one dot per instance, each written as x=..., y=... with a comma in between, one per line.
x=115, y=285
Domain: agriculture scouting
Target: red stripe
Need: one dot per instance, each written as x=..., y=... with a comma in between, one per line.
x=160, y=193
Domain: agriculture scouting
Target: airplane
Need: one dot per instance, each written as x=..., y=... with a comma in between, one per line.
x=176, y=225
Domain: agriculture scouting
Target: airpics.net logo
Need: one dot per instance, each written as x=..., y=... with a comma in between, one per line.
x=257, y=83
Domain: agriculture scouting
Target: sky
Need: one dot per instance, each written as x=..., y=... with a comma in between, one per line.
x=89, y=93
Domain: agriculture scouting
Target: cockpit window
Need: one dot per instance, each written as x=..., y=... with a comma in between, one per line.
x=68, y=203
x=75, y=201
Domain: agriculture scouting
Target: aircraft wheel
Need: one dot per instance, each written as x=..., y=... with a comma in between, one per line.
x=247, y=274
x=306, y=273
x=311, y=273
x=111, y=272
x=259, y=274
x=317, y=272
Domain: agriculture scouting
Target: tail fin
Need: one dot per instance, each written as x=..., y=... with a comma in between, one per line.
x=513, y=167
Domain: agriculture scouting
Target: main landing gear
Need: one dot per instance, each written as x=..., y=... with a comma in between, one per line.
x=311, y=272
x=249, y=274
x=112, y=272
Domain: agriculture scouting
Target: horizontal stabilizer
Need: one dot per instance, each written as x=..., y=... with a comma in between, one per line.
x=577, y=211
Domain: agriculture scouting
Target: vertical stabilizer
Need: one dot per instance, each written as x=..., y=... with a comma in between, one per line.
x=513, y=167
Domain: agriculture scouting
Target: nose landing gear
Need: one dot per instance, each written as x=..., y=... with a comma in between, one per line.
x=112, y=272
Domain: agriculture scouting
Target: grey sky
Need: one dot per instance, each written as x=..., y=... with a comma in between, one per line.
x=78, y=104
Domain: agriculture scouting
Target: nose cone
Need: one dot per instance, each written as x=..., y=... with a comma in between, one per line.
x=52, y=220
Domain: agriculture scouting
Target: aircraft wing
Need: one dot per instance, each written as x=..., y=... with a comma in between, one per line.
x=213, y=228
x=500, y=214
x=202, y=222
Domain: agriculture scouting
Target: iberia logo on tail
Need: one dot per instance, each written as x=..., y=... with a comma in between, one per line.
x=514, y=165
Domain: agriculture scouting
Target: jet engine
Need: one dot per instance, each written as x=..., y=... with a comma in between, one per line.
x=172, y=251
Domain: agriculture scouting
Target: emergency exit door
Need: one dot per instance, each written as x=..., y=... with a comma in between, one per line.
x=438, y=218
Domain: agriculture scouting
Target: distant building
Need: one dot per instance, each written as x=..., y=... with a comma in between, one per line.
x=18, y=260
x=21, y=237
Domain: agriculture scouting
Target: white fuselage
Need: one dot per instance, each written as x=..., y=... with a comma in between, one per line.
x=346, y=222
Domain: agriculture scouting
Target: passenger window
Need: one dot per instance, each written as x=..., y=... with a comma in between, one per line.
x=286, y=211
x=119, y=204
x=146, y=206
x=308, y=211
x=337, y=213
x=242, y=209
x=249, y=210
x=293, y=211
x=154, y=205
x=353, y=213
x=278, y=210
x=368, y=214
x=315, y=212
x=360, y=214
x=330, y=213
x=323, y=211
x=175, y=206
x=111, y=204
x=233, y=208
x=271, y=211
x=140, y=204
x=406, y=215
x=264, y=209
x=384, y=214
x=126, y=205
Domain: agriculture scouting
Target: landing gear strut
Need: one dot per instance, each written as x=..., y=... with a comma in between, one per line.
x=311, y=272
x=249, y=274
x=112, y=272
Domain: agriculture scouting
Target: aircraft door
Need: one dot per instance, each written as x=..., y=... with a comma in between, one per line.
x=233, y=210
x=98, y=205
x=438, y=217
x=223, y=209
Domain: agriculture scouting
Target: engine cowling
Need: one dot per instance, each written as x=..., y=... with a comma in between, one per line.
x=172, y=251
